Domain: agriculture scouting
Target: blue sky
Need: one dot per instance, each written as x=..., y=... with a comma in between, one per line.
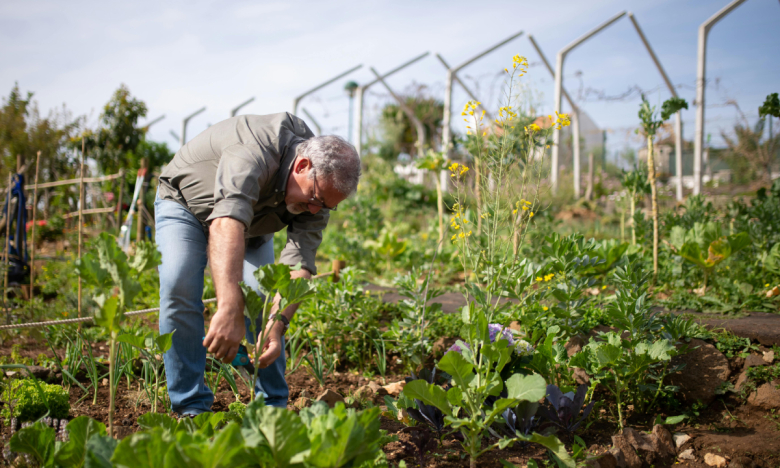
x=179, y=56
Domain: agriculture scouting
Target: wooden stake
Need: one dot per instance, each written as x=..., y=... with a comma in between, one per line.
x=81, y=215
x=139, y=234
x=119, y=202
x=32, y=243
x=7, y=245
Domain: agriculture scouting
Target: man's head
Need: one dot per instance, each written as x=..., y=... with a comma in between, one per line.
x=325, y=172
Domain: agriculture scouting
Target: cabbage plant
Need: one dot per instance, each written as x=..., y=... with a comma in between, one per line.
x=706, y=246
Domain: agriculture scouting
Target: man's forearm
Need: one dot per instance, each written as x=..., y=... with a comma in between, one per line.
x=226, y=258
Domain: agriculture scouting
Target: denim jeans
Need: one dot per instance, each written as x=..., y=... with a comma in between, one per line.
x=182, y=241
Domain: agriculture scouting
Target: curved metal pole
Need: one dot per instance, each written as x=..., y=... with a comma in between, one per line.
x=462, y=85
x=701, y=69
x=358, y=132
x=678, y=137
x=320, y=86
x=559, y=89
x=185, y=122
x=420, y=128
x=146, y=127
x=235, y=110
x=313, y=121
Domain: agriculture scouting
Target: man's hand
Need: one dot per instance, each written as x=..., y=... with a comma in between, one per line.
x=226, y=259
x=272, y=348
x=226, y=331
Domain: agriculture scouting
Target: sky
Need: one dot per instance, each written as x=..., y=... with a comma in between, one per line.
x=179, y=56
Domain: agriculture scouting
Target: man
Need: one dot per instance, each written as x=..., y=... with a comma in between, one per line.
x=221, y=198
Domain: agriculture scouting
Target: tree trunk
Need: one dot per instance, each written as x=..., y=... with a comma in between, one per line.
x=654, y=203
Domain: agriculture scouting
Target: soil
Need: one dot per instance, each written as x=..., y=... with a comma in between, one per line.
x=726, y=427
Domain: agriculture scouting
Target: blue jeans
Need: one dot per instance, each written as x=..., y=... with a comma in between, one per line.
x=183, y=242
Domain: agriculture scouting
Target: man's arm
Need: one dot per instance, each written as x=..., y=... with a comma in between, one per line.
x=273, y=344
x=226, y=258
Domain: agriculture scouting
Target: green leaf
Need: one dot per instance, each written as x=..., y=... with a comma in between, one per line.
x=553, y=445
x=454, y=396
x=677, y=237
x=272, y=277
x=672, y=420
x=100, y=449
x=738, y=241
x=146, y=257
x=430, y=394
x=80, y=430
x=608, y=354
x=109, y=316
x=671, y=106
x=253, y=302
x=692, y=252
x=164, y=342
x=143, y=449
x=661, y=350
x=453, y=363
x=37, y=441
x=133, y=340
x=153, y=420
x=526, y=387
x=283, y=432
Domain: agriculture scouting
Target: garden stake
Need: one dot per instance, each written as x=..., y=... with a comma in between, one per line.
x=32, y=243
x=81, y=214
x=119, y=202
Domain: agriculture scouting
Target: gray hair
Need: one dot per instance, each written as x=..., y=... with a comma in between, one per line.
x=334, y=159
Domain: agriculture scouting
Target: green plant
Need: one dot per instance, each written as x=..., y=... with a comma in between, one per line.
x=115, y=280
x=435, y=162
x=635, y=183
x=321, y=363
x=152, y=346
x=706, y=247
x=387, y=246
x=732, y=345
x=28, y=400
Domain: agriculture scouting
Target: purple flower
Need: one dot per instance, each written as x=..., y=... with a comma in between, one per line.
x=506, y=333
x=457, y=348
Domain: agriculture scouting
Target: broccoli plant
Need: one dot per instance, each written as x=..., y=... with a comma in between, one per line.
x=115, y=281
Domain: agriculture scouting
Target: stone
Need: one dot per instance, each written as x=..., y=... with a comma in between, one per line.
x=515, y=325
x=618, y=456
x=705, y=370
x=604, y=461
x=373, y=391
x=580, y=376
x=104, y=383
x=301, y=402
x=394, y=389
x=680, y=439
x=330, y=397
x=742, y=462
x=715, y=460
x=574, y=345
x=741, y=381
x=638, y=440
x=621, y=443
x=766, y=396
x=754, y=360
x=664, y=443
x=686, y=455
x=769, y=357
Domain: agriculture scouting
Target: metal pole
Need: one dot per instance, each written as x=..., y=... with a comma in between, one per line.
x=462, y=85
x=32, y=243
x=146, y=127
x=235, y=110
x=320, y=86
x=559, y=89
x=359, y=93
x=420, y=129
x=7, y=246
x=81, y=215
x=701, y=69
x=119, y=202
x=575, y=135
x=678, y=119
x=185, y=122
x=313, y=122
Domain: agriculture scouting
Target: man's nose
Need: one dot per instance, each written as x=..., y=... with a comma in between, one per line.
x=314, y=209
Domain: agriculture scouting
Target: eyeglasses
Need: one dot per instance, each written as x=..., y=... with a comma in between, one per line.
x=317, y=202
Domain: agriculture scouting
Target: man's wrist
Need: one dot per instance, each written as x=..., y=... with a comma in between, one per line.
x=278, y=322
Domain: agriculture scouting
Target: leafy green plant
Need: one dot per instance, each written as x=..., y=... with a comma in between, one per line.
x=387, y=246
x=706, y=246
x=152, y=346
x=635, y=183
x=115, y=280
x=274, y=282
x=321, y=363
x=28, y=399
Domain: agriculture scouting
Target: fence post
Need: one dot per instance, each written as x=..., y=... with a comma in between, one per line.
x=139, y=233
x=119, y=202
x=337, y=266
x=5, y=250
x=81, y=216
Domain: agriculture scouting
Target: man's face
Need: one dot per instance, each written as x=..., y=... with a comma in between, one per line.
x=309, y=195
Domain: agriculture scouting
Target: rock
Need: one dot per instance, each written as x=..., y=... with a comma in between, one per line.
x=580, y=376
x=686, y=455
x=515, y=325
x=301, y=402
x=754, y=360
x=574, y=345
x=373, y=391
x=330, y=397
x=715, y=460
x=638, y=440
x=104, y=383
x=605, y=461
x=621, y=443
x=705, y=370
x=767, y=396
x=769, y=358
x=394, y=388
x=740, y=381
x=618, y=456
x=664, y=443
x=742, y=462
x=680, y=439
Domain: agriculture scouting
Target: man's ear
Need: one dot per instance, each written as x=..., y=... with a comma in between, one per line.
x=302, y=164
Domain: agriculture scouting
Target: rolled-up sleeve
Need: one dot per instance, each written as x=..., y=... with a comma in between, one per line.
x=304, y=236
x=240, y=174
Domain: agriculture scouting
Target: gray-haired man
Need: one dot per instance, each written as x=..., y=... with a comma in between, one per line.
x=221, y=198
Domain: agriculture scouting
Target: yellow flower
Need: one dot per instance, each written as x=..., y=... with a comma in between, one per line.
x=465, y=221
x=527, y=202
x=604, y=287
x=525, y=208
x=539, y=278
x=461, y=235
x=531, y=215
x=464, y=170
x=514, y=212
x=545, y=308
x=766, y=285
x=484, y=133
x=454, y=236
x=453, y=167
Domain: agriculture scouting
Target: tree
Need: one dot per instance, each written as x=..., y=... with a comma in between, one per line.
x=749, y=143
x=398, y=132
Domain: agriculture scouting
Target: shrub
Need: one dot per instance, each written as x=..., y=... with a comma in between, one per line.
x=26, y=400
